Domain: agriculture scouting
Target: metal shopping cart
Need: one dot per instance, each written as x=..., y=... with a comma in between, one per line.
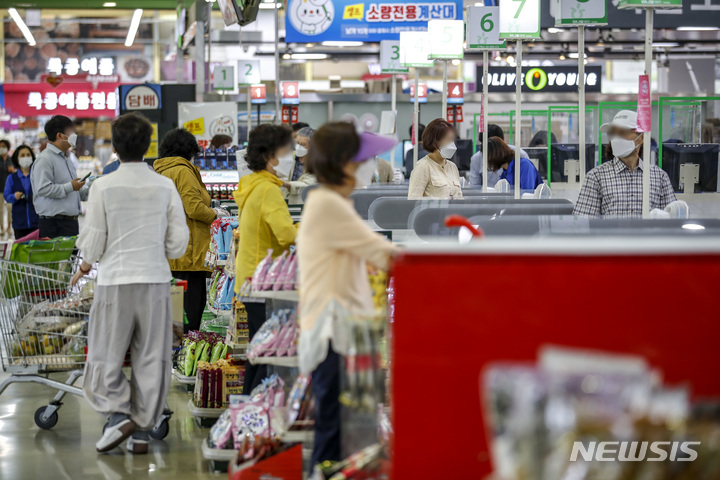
x=43, y=330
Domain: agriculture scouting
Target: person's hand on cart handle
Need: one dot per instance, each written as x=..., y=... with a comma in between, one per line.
x=83, y=270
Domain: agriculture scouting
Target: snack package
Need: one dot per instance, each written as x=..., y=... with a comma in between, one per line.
x=290, y=275
x=221, y=433
x=264, y=337
x=298, y=396
x=273, y=272
x=250, y=420
x=286, y=338
x=261, y=271
x=282, y=274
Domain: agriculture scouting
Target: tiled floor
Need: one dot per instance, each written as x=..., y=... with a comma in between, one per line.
x=68, y=450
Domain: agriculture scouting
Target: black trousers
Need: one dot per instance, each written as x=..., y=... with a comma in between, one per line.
x=23, y=232
x=254, y=374
x=326, y=388
x=195, y=297
x=53, y=227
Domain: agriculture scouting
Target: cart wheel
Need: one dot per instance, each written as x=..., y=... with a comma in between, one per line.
x=45, y=424
x=161, y=431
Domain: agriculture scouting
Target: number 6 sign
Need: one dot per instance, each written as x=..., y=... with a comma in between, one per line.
x=483, y=28
x=519, y=19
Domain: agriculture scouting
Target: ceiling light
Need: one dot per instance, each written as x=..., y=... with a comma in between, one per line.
x=134, y=24
x=456, y=62
x=697, y=29
x=286, y=56
x=562, y=56
x=510, y=59
x=309, y=56
x=479, y=4
x=342, y=44
x=21, y=25
x=109, y=4
x=270, y=6
x=555, y=30
x=497, y=57
x=693, y=226
x=665, y=44
x=576, y=55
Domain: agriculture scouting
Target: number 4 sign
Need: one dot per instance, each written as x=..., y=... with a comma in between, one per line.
x=455, y=93
x=483, y=28
x=519, y=19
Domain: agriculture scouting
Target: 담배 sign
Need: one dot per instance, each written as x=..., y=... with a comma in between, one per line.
x=455, y=93
x=519, y=19
x=651, y=3
x=223, y=77
x=644, y=106
x=258, y=94
x=290, y=93
x=390, y=57
x=447, y=39
x=483, y=28
x=581, y=12
x=249, y=72
x=415, y=49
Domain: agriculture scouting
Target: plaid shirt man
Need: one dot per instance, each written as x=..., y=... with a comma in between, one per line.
x=612, y=190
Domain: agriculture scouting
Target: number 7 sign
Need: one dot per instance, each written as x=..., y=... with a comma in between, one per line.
x=519, y=19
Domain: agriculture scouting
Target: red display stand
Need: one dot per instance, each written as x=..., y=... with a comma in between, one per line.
x=459, y=309
x=286, y=465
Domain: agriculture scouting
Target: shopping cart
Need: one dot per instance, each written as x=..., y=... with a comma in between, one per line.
x=43, y=326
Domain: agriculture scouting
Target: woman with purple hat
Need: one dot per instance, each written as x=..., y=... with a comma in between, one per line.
x=334, y=247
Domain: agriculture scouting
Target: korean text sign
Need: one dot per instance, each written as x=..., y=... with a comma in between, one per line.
x=69, y=99
x=369, y=21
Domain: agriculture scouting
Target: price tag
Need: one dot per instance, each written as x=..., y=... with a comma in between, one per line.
x=415, y=49
x=447, y=39
x=290, y=92
x=519, y=19
x=390, y=57
x=422, y=92
x=651, y=3
x=223, y=77
x=455, y=93
x=248, y=72
x=580, y=12
x=258, y=94
x=483, y=28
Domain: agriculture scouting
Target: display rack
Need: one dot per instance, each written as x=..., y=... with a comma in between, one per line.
x=220, y=313
x=286, y=295
x=205, y=417
x=291, y=362
x=189, y=382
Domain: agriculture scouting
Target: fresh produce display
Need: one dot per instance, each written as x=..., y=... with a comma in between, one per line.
x=277, y=337
x=198, y=347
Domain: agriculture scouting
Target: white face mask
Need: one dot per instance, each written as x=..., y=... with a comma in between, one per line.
x=448, y=150
x=622, y=147
x=72, y=140
x=365, y=173
x=25, y=162
x=285, y=165
x=3, y=151
x=300, y=151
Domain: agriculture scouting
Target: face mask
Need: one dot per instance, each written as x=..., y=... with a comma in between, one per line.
x=365, y=173
x=25, y=162
x=448, y=150
x=3, y=151
x=300, y=151
x=285, y=165
x=622, y=147
x=72, y=140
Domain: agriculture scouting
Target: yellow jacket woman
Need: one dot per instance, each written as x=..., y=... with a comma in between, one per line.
x=178, y=149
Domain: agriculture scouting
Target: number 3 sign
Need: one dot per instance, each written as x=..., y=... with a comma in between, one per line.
x=290, y=92
x=390, y=57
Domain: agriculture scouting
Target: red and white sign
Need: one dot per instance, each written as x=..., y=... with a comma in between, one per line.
x=290, y=92
x=422, y=91
x=289, y=114
x=69, y=99
x=142, y=97
x=455, y=92
x=451, y=118
x=644, y=106
x=258, y=94
x=481, y=127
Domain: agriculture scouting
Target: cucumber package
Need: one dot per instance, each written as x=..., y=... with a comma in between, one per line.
x=200, y=347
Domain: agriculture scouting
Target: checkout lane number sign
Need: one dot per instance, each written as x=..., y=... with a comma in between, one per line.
x=580, y=12
x=390, y=57
x=483, y=28
x=249, y=72
x=519, y=19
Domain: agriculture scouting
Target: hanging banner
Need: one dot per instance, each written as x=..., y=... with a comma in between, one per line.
x=519, y=19
x=580, y=12
x=368, y=21
x=644, y=106
x=207, y=119
x=483, y=28
x=74, y=100
x=481, y=127
x=390, y=57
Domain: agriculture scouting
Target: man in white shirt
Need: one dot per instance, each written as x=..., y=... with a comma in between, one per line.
x=135, y=222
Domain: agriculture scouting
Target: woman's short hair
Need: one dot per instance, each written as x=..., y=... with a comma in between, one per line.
x=434, y=132
x=220, y=140
x=498, y=154
x=306, y=132
x=16, y=155
x=264, y=141
x=179, y=143
x=331, y=148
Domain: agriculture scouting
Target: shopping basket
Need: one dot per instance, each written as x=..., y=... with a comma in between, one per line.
x=43, y=330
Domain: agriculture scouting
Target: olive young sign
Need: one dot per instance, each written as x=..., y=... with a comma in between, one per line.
x=541, y=79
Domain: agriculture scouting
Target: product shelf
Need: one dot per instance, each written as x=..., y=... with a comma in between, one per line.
x=220, y=313
x=183, y=379
x=288, y=295
x=204, y=413
x=218, y=454
x=276, y=361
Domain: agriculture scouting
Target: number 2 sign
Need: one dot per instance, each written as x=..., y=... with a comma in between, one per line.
x=249, y=72
x=519, y=19
x=258, y=94
x=483, y=28
x=390, y=57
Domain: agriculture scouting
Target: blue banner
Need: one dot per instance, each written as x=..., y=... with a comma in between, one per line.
x=368, y=21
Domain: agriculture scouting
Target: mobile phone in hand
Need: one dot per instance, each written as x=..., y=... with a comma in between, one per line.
x=86, y=177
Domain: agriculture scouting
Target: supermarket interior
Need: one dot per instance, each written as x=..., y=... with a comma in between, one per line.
x=233, y=232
